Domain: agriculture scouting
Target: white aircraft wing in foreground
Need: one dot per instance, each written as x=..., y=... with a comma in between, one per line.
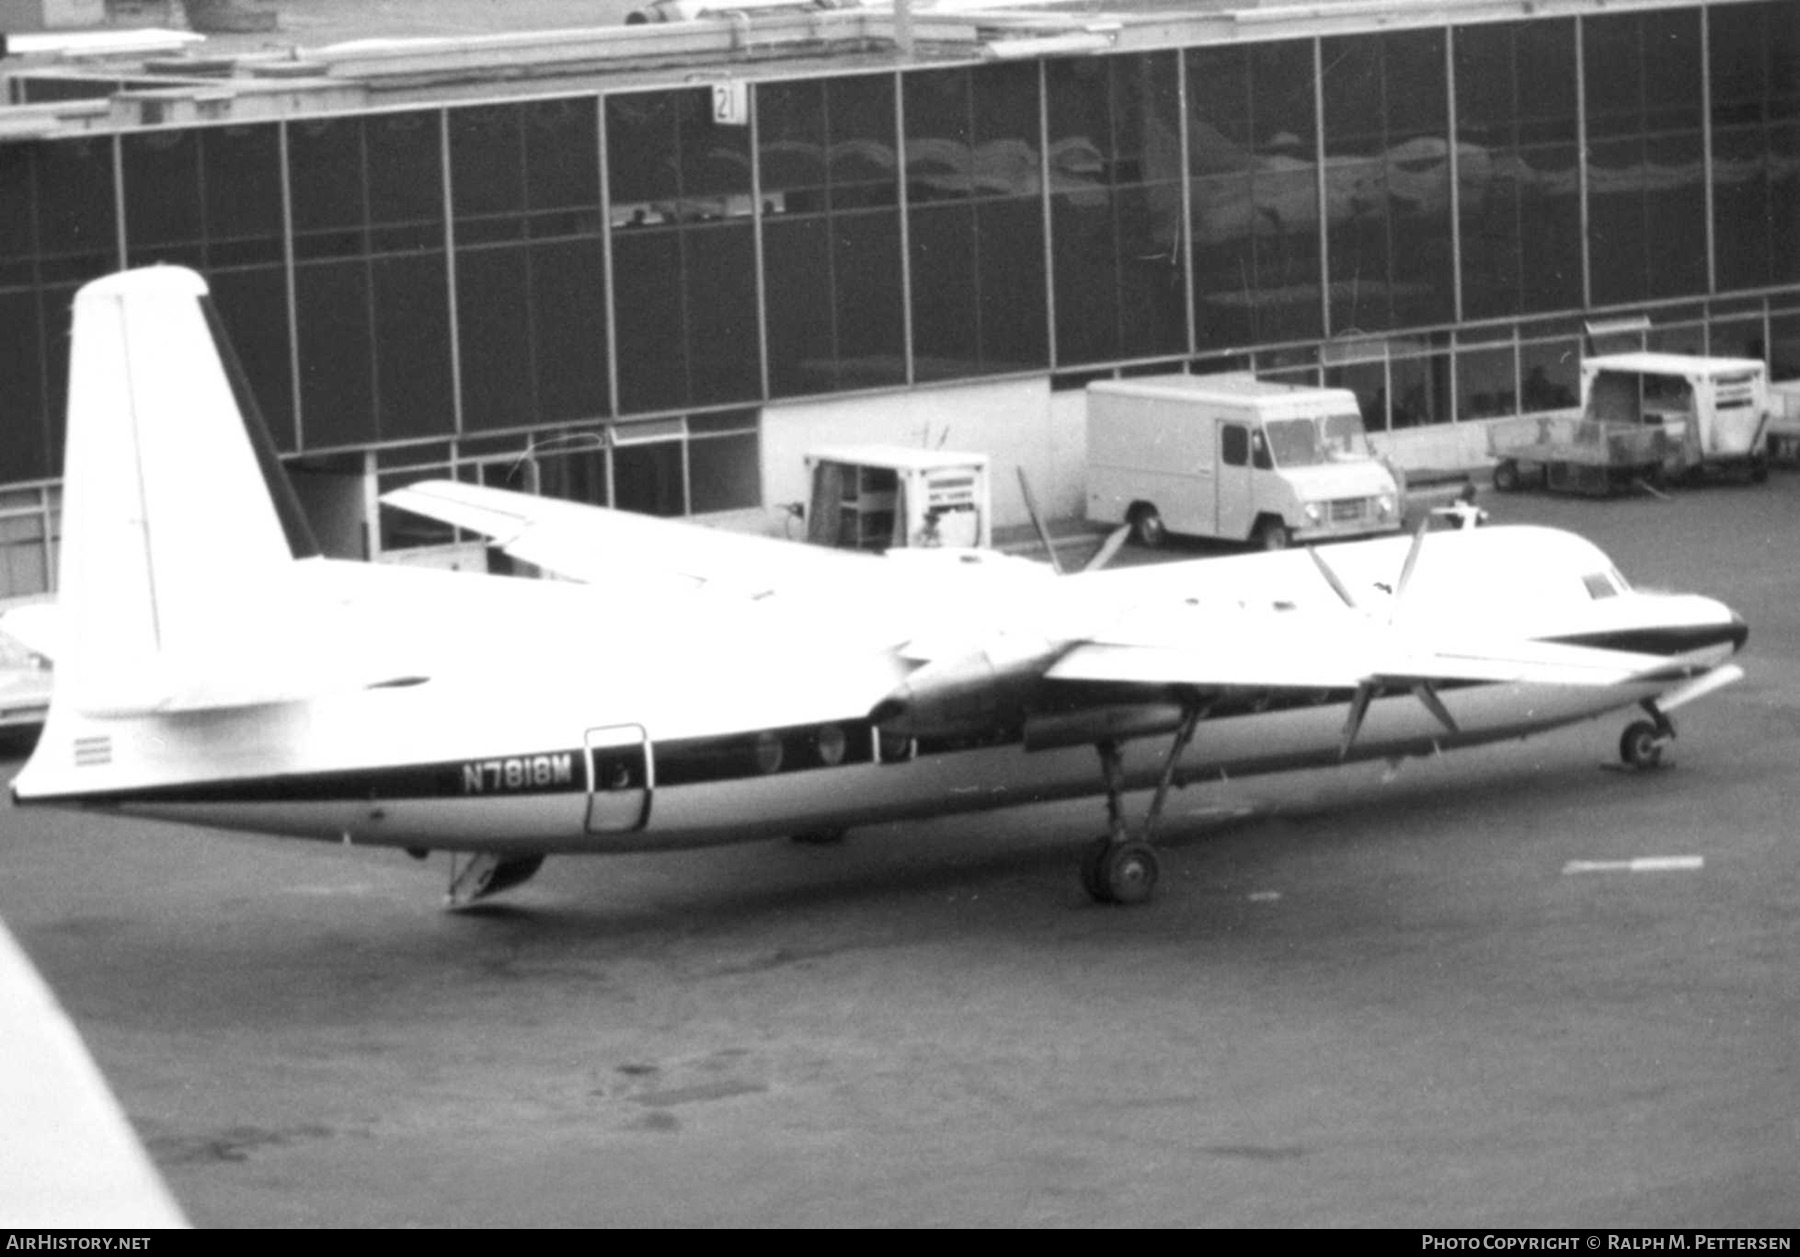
x=690, y=687
x=71, y=1159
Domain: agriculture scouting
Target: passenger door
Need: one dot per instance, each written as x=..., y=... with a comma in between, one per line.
x=621, y=776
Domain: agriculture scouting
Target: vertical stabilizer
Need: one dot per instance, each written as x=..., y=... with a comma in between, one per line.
x=171, y=491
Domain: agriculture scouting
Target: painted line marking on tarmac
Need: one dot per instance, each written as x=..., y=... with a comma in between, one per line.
x=1643, y=864
x=1265, y=896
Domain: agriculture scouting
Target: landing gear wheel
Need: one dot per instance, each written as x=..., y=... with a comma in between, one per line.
x=1506, y=476
x=1272, y=534
x=1128, y=872
x=1093, y=869
x=1641, y=745
x=819, y=837
x=1147, y=527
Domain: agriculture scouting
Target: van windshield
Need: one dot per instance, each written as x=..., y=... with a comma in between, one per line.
x=1294, y=442
x=1345, y=436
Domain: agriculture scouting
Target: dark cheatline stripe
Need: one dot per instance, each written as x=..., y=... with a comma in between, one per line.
x=446, y=779
x=1677, y=640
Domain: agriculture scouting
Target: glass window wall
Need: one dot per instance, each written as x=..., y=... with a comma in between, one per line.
x=1646, y=173
x=684, y=253
x=1754, y=52
x=530, y=263
x=371, y=288
x=975, y=220
x=1254, y=193
x=831, y=235
x=57, y=231
x=1115, y=194
x=1387, y=181
x=1519, y=188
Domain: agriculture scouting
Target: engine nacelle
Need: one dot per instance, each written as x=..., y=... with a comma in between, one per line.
x=972, y=692
x=1090, y=726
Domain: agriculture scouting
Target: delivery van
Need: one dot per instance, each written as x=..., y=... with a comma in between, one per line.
x=1235, y=457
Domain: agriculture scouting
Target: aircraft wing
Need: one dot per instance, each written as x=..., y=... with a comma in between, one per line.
x=600, y=546
x=1312, y=650
x=72, y=1159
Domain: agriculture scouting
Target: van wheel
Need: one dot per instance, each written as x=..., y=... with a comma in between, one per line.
x=1147, y=527
x=1506, y=476
x=1272, y=534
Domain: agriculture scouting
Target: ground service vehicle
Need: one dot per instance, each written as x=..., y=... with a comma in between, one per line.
x=1645, y=418
x=877, y=497
x=1236, y=457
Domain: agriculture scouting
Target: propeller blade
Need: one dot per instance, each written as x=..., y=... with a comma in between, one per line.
x=1037, y=520
x=1331, y=577
x=1108, y=548
x=1412, y=561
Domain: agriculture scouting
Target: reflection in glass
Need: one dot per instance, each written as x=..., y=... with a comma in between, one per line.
x=1254, y=193
x=831, y=234
x=1115, y=169
x=1519, y=188
x=1387, y=180
x=1646, y=176
x=975, y=227
x=683, y=252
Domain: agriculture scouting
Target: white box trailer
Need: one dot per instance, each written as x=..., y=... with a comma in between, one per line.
x=880, y=497
x=1235, y=457
x=1710, y=412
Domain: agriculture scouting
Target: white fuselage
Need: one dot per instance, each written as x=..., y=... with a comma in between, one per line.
x=684, y=731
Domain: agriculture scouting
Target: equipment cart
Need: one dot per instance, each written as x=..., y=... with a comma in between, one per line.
x=1570, y=454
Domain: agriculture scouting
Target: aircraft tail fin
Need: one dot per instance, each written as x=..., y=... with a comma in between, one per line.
x=174, y=504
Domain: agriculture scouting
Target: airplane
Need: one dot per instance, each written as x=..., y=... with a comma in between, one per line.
x=684, y=686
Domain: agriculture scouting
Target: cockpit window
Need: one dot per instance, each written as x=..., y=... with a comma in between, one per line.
x=1601, y=585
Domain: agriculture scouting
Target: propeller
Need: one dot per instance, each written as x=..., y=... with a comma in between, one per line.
x=1104, y=555
x=1424, y=691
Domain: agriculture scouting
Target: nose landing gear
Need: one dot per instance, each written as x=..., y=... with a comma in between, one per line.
x=1641, y=745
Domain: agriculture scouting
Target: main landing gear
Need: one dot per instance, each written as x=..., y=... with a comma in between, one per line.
x=1119, y=868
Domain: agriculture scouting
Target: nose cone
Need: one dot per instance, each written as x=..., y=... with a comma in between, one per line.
x=1739, y=632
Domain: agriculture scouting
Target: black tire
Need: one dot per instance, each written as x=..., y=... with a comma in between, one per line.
x=1272, y=534
x=1093, y=865
x=1506, y=476
x=1130, y=870
x=1759, y=468
x=1147, y=527
x=1641, y=745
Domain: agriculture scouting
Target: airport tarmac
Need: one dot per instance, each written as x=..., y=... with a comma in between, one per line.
x=1445, y=999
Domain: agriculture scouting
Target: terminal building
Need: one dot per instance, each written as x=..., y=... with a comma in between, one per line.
x=650, y=265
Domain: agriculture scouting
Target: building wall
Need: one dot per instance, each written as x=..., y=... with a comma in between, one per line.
x=599, y=294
